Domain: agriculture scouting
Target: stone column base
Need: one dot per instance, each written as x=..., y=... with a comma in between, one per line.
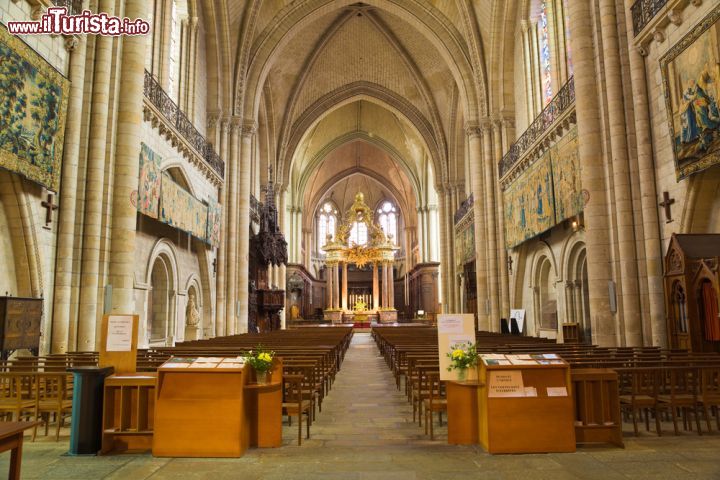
x=192, y=333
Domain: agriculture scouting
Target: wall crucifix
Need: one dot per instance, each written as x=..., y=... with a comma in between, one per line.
x=666, y=203
x=49, y=207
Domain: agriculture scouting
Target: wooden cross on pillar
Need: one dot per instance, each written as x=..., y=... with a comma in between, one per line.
x=509, y=264
x=49, y=207
x=666, y=203
x=214, y=264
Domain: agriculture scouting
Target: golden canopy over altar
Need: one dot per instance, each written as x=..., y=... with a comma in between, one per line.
x=360, y=241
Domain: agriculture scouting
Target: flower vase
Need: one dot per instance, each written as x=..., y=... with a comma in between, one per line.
x=262, y=377
x=462, y=374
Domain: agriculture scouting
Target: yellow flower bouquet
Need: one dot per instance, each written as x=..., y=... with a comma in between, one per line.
x=260, y=359
x=462, y=356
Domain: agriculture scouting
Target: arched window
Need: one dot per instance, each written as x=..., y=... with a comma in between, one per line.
x=544, y=49
x=358, y=234
x=388, y=220
x=326, y=223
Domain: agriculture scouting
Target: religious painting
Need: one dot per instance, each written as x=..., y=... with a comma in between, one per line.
x=529, y=203
x=149, y=182
x=566, y=177
x=214, y=218
x=465, y=239
x=691, y=80
x=33, y=103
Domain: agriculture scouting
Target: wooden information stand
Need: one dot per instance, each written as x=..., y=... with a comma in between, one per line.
x=263, y=404
x=200, y=409
x=118, y=342
x=128, y=413
x=462, y=413
x=454, y=329
x=525, y=404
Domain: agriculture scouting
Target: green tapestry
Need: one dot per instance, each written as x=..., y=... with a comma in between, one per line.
x=691, y=79
x=566, y=177
x=149, y=182
x=33, y=103
x=529, y=203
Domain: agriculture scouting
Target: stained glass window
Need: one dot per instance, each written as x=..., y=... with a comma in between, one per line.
x=358, y=234
x=544, y=48
x=388, y=220
x=568, y=53
x=327, y=220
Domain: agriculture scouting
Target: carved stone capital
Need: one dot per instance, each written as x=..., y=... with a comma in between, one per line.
x=486, y=124
x=249, y=127
x=472, y=130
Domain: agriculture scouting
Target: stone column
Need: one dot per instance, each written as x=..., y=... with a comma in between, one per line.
x=344, y=287
x=94, y=189
x=232, y=231
x=504, y=293
x=336, y=286
x=328, y=286
x=60, y=335
x=128, y=136
x=461, y=309
x=391, y=285
x=221, y=286
x=628, y=270
x=248, y=134
x=578, y=302
x=444, y=251
x=587, y=109
x=376, y=293
x=648, y=191
x=569, y=302
x=489, y=207
x=383, y=301
x=282, y=285
x=473, y=135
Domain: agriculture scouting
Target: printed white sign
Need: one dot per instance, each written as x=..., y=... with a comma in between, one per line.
x=450, y=324
x=119, y=333
x=519, y=316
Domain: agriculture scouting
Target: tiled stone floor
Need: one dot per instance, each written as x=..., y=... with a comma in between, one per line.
x=366, y=432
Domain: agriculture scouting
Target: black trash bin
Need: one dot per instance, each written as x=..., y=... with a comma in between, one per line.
x=87, y=409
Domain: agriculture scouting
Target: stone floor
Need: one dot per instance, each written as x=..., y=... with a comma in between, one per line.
x=365, y=431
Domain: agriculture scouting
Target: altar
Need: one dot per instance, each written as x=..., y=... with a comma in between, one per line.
x=360, y=242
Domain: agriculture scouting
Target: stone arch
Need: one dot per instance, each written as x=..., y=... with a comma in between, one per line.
x=294, y=17
x=577, y=294
x=544, y=275
x=331, y=101
x=161, y=277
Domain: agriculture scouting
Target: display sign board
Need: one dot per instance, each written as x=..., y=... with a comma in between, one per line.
x=118, y=342
x=505, y=383
x=454, y=329
x=119, y=333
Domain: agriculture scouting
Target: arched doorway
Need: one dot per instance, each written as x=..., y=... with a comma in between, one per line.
x=545, y=299
x=160, y=304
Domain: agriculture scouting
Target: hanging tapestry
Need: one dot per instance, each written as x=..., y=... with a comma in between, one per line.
x=181, y=210
x=33, y=103
x=149, y=182
x=566, y=177
x=691, y=81
x=213, y=222
x=465, y=239
x=529, y=203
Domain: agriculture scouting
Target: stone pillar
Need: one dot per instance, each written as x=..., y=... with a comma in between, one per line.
x=94, y=190
x=489, y=207
x=473, y=135
x=62, y=335
x=569, y=302
x=587, y=109
x=461, y=309
x=248, y=134
x=328, y=286
x=628, y=270
x=221, y=288
x=391, y=285
x=336, y=286
x=376, y=293
x=384, y=300
x=282, y=285
x=648, y=191
x=231, y=246
x=128, y=137
x=344, y=305
x=504, y=293
x=444, y=251
x=578, y=302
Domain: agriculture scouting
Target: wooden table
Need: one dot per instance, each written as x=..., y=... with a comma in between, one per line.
x=11, y=438
x=462, y=412
x=264, y=407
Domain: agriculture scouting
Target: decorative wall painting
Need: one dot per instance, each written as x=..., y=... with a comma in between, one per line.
x=691, y=80
x=529, y=203
x=149, y=182
x=33, y=103
x=465, y=239
x=566, y=177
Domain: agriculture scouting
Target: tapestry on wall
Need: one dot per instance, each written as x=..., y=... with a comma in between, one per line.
x=33, y=102
x=465, y=239
x=691, y=80
x=181, y=210
x=213, y=222
x=149, y=182
x=566, y=177
x=529, y=203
